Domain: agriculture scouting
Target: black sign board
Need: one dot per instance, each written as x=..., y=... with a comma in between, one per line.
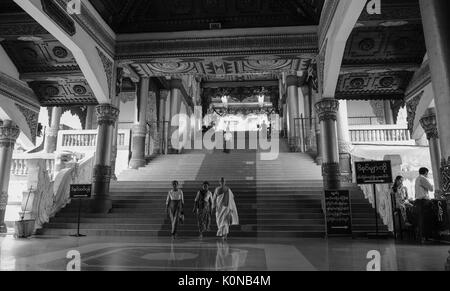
x=338, y=212
x=373, y=172
x=80, y=191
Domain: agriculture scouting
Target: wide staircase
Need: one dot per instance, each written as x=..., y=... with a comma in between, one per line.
x=279, y=198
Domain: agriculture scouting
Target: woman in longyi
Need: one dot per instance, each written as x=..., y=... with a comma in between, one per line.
x=226, y=210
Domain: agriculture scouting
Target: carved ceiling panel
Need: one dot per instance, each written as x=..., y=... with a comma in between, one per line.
x=64, y=93
x=203, y=67
x=365, y=86
x=42, y=56
x=385, y=45
x=136, y=16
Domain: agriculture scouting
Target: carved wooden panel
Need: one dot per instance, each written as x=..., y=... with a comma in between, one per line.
x=45, y=56
x=374, y=45
x=64, y=93
x=366, y=86
x=269, y=64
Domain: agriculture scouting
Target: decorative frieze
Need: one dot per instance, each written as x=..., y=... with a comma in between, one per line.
x=3, y=201
x=102, y=174
x=108, y=66
x=32, y=118
x=411, y=108
x=445, y=176
x=331, y=173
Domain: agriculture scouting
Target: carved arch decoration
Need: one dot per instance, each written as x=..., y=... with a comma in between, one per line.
x=411, y=108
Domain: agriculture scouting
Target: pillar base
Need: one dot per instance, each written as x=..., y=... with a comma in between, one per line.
x=100, y=205
x=447, y=266
x=100, y=202
x=331, y=176
x=319, y=160
x=137, y=163
x=3, y=228
x=345, y=165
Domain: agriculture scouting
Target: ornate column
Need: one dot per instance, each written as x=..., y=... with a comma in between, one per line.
x=292, y=101
x=107, y=117
x=327, y=110
x=315, y=98
x=116, y=103
x=51, y=137
x=90, y=115
x=140, y=127
x=175, y=107
x=429, y=124
x=9, y=133
x=344, y=142
x=436, y=25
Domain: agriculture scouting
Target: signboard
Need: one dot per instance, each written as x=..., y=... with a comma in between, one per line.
x=373, y=172
x=80, y=191
x=338, y=212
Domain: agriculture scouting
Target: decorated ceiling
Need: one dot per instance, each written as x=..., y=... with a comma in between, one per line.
x=137, y=16
x=382, y=53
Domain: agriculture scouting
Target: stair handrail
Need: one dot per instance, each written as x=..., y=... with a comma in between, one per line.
x=51, y=196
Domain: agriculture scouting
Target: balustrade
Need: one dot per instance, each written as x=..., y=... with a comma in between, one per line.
x=380, y=134
x=19, y=165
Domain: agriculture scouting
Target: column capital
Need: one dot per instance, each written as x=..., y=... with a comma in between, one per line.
x=176, y=84
x=9, y=132
x=292, y=80
x=164, y=94
x=327, y=109
x=429, y=124
x=107, y=114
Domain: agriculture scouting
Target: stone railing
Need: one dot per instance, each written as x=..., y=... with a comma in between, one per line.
x=19, y=165
x=85, y=141
x=381, y=134
x=48, y=196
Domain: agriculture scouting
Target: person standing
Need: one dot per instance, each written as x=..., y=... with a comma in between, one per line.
x=423, y=188
x=202, y=209
x=401, y=197
x=226, y=210
x=174, y=207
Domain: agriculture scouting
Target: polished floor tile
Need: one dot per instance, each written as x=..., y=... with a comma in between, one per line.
x=210, y=254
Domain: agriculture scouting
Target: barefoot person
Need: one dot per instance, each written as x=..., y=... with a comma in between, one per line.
x=174, y=206
x=203, y=208
x=226, y=210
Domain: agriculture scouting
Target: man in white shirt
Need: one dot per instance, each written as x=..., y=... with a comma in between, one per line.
x=423, y=185
x=423, y=189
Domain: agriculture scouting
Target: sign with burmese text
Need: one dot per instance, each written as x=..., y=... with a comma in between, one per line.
x=338, y=212
x=80, y=191
x=379, y=172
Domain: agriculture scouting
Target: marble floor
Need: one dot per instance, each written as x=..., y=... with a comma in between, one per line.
x=210, y=254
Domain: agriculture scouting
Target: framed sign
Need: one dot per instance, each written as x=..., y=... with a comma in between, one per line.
x=80, y=191
x=338, y=212
x=373, y=172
